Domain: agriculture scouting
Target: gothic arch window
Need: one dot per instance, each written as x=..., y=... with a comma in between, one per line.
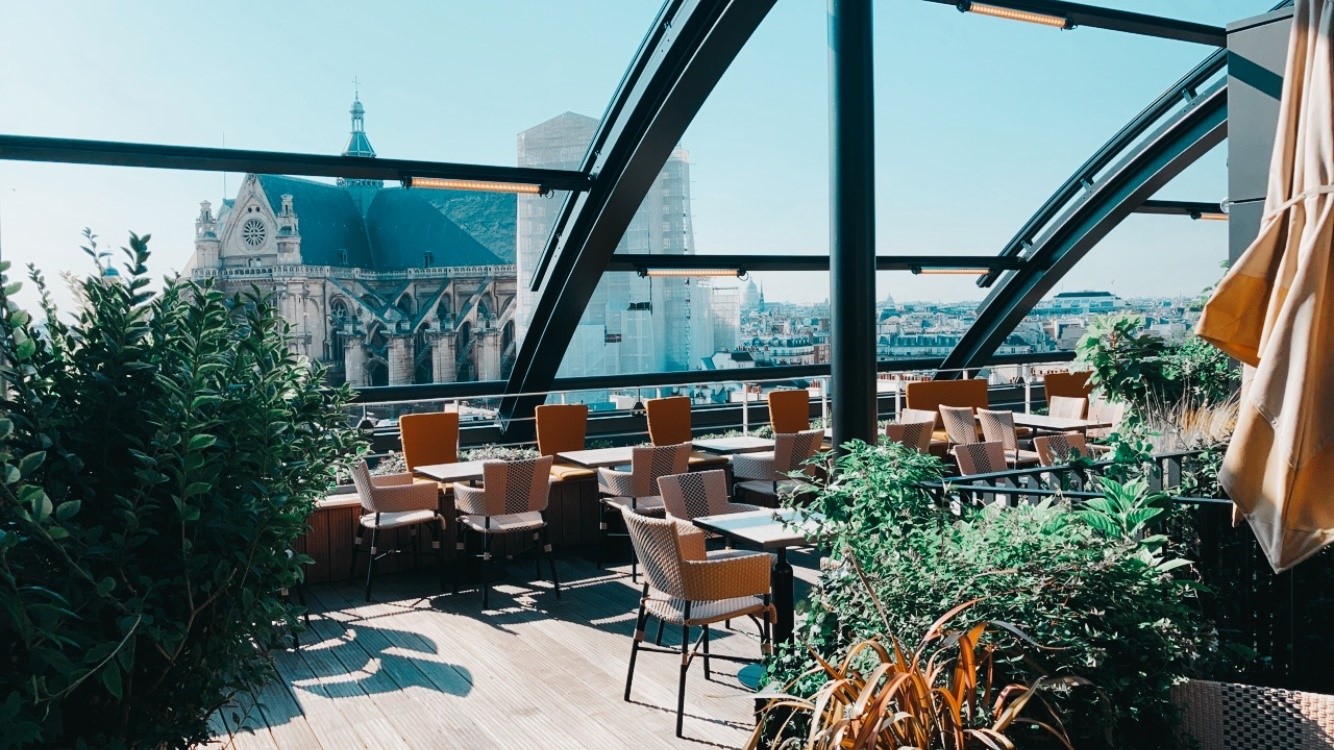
x=445, y=310
x=407, y=305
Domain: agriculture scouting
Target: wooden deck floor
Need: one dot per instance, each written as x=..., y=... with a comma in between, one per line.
x=417, y=669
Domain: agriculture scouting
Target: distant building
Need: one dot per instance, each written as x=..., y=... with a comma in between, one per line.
x=388, y=286
x=631, y=324
x=1079, y=304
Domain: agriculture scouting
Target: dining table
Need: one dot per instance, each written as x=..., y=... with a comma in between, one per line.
x=457, y=471
x=595, y=458
x=1048, y=423
x=737, y=444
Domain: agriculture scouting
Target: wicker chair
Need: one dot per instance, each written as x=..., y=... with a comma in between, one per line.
x=1231, y=716
x=512, y=499
x=998, y=426
x=1067, y=407
x=790, y=410
x=980, y=458
x=1105, y=412
x=391, y=502
x=686, y=586
x=637, y=489
x=1056, y=449
x=699, y=493
x=668, y=420
x=913, y=433
x=960, y=424
x=560, y=428
x=766, y=473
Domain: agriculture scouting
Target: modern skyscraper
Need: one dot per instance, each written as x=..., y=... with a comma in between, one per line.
x=631, y=324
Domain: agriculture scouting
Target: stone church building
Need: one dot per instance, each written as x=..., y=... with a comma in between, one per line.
x=389, y=286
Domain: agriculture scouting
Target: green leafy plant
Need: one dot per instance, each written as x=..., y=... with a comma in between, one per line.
x=160, y=453
x=941, y=695
x=1104, y=608
x=1125, y=511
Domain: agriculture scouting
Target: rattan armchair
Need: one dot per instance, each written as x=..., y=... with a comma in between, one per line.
x=766, y=473
x=686, y=586
x=998, y=426
x=390, y=502
x=1058, y=448
x=637, y=489
x=912, y=433
x=512, y=499
x=699, y=493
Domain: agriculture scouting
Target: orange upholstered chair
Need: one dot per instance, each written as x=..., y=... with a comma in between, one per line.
x=933, y=394
x=429, y=438
x=563, y=427
x=668, y=420
x=1070, y=384
x=790, y=410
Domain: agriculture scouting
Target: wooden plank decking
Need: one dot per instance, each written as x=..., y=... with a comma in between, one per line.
x=417, y=669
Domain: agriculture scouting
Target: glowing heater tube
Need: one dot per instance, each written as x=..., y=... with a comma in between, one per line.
x=951, y=271
x=483, y=186
x=735, y=273
x=1010, y=14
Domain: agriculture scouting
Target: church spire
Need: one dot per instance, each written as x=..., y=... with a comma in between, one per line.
x=358, y=144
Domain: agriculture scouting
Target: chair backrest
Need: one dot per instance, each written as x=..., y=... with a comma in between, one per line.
x=998, y=426
x=1109, y=412
x=361, y=478
x=694, y=494
x=790, y=410
x=429, y=438
x=920, y=415
x=914, y=434
x=517, y=486
x=960, y=424
x=1066, y=407
x=933, y=394
x=561, y=427
x=668, y=420
x=658, y=548
x=791, y=449
x=648, y=462
x=1056, y=449
x=980, y=458
x=1069, y=384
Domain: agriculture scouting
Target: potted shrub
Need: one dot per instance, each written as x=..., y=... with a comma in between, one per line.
x=160, y=452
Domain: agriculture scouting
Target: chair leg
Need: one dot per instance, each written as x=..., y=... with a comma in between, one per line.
x=708, y=674
x=681, y=688
x=486, y=570
x=460, y=552
x=370, y=562
x=766, y=629
x=551, y=559
x=438, y=539
x=638, y=637
x=658, y=640
x=537, y=558
x=602, y=535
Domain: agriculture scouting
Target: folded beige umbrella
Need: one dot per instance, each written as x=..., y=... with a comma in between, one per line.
x=1275, y=311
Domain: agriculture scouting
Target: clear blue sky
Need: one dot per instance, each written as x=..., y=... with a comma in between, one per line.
x=977, y=119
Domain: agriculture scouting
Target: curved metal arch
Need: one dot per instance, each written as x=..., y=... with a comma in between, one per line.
x=1149, y=165
x=685, y=54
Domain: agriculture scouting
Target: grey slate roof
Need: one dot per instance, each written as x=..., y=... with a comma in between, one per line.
x=400, y=225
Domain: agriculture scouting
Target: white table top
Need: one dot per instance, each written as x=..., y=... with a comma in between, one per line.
x=459, y=471
x=741, y=444
x=1057, y=424
x=597, y=457
x=767, y=529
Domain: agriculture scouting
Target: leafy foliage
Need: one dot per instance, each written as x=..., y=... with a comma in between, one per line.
x=1125, y=510
x=1104, y=607
x=160, y=454
x=1132, y=365
x=942, y=694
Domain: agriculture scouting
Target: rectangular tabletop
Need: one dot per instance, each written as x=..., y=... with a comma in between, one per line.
x=1055, y=424
x=742, y=444
x=598, y=456
x=459, y=471
x=767, y=529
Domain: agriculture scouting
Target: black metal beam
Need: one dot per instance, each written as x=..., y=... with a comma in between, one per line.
x=1193, y=209
x=684, y=56
x=633, y=262
x=1078, y=14
x=852, y=258
x=1141, y=173
x=161, y=156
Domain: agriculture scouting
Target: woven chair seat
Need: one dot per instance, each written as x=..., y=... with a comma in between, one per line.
x=395, y=519
x=1221, y=715
x=785, y=487
x=504, y=524
x=644, y=506
x=673, y=611
x=753, y=465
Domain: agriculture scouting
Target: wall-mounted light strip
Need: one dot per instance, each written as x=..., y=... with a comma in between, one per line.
x=482, y=186
x=735, y=273
x=950, y=271
x=1010, y=14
